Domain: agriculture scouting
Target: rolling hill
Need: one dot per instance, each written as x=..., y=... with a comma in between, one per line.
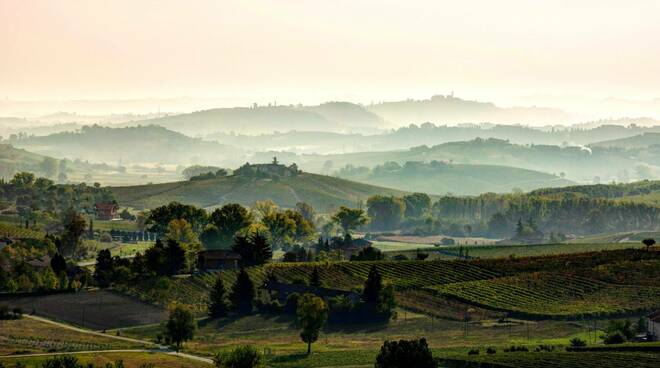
x=140, y=144
x=324, y=193
x=639, y=141
x=459, y=179
x=13, y=160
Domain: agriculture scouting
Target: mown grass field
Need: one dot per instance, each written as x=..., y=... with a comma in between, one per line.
x=27, y=336
x=130, y=360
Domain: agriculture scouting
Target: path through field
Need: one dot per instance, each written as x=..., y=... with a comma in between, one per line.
x=156, y=348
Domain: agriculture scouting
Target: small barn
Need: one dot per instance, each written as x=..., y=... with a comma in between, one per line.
x=217, y=259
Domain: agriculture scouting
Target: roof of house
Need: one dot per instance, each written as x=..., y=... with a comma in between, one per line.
x=219, y=254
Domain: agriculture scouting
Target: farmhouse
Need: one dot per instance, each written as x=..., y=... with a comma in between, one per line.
x=106, y=211
x=217, y=259
x=653, y=325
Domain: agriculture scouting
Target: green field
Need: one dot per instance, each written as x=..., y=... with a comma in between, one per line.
x=130, y=360
x=557, y=359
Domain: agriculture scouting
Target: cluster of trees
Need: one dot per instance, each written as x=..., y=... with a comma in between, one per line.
x=388, y=213
x=618, y=332
x=162, y=259
x=219, y=229
x=198, y=172
x=58, y=276
x=30, y=193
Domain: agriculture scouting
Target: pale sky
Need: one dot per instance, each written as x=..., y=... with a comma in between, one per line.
x=311, y=51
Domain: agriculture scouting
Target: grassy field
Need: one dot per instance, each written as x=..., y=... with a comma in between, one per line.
x=281, y=335
x=96, y=310
x=124, y=225
x=130, y=360
x=558, y=359
x=26, y=336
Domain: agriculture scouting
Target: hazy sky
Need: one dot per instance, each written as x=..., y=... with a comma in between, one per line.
x=310, y=51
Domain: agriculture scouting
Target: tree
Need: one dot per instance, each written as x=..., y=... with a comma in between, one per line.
x=74, y=226
x=58, y=263
x=242, y=293
x=307, y=212
x=160, y=217
x=104, y=268
x=577, y=342
x=227, y=221
x=315, y=278
x=49, y=167
x=312, y=315
x=304, y=228
x=378, y=299
x=282, y=228
x=373, y=287
x=217, y=304
x=254, y=249
x=264, y=208
x=385, y=212
x=417, y=204
x=649, y=242
x=349, y=218
x=180, y=231
x=180, y=325
x=405, y=353
x=175, y=257
x=244, y=356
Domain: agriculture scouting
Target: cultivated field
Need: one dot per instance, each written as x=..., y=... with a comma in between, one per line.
x=97, y=310
x=130, y=360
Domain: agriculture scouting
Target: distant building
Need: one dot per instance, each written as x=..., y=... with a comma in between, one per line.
x=273, y=169
x=107, y=211
x=219, y=259
x=653, y=325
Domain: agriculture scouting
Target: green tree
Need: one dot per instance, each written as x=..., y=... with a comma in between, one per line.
x=305, y=230
x=104, y=268
x=349, y=219
x=180, y=325
x=417, y=204
x=227, y=221
x=217, y=304
x=405, y=353
x=244, y=356
x=307, y=212
x=315, y=278
x=160, y=217
x=49, y=167
x=242, y=293
x=48, y=280
x=74, y=227
x=312, y=315
x=368, y=254
x=282, y=228
x=180, y=231
x=254, y=249
x=649, y=242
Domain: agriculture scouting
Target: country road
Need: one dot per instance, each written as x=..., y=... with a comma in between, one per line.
x=156, y=347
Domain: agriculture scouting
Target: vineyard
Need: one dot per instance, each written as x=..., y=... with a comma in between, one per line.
x=552, y=295
x=557, y=359
x=345, y=276
x=15, y=232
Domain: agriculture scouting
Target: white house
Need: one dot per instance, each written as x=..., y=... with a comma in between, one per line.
x=653, y=325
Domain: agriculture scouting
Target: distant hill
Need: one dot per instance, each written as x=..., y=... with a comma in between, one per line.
x=324, y=193
x=331, y=116
x=450, y=109
x=638, y=141
x=647, y=191
x=458, y=179
x=141, y=144
x=13, y=160
x=578, y=163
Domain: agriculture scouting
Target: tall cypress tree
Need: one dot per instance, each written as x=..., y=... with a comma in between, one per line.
x=217, y=305
x=242, y=293
x=373, y=286
x=315, y=278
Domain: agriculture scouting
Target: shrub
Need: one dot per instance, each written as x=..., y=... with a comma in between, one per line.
x=491, y=351
x=405, y=353
x=105, y=237
x=615, y=338
x=578, y=343
x=245, y=356
x=291, y=305
x=473, y=352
